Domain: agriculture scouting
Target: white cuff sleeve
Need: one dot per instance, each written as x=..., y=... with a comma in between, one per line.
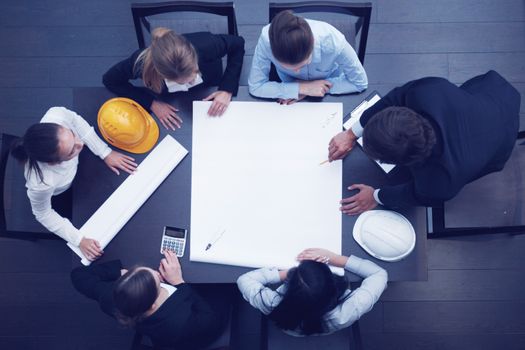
x=357, y=129
x=376, y=196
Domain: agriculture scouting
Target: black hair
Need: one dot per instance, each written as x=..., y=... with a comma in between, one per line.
x=133, y=294
x=291, y=38
x=311, y=291
x=39, y=144
x=398, y=135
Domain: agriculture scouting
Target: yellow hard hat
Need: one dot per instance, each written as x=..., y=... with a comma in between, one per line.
x=126, y=125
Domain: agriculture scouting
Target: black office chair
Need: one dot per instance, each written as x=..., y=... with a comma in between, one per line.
x=494, y=203
x=183, y=17
x=16, y=218
x=351, y=19
x=274, y=338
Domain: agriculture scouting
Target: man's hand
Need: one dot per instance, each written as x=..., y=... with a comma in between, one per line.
x=116, y=160
x=360, y=202
x=90, y=248
x=341, y=144
x=170, y=269
x=167, y=114
x=317, y=88
x=221, y=100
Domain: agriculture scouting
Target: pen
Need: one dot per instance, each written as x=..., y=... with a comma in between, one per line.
x=217, y=237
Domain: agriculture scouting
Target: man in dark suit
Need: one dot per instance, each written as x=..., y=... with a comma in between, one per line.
x=447, y=136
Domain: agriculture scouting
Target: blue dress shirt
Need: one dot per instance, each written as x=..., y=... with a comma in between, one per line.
x=333, y=59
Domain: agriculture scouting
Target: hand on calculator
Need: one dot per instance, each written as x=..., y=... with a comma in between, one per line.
x=170, y=268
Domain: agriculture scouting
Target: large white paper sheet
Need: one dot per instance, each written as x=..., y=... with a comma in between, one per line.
x=116, y=211
x=259, y=193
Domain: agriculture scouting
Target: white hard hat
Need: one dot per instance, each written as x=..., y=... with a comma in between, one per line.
x=384, y=234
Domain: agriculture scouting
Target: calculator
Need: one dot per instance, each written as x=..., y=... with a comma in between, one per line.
x=173, y=239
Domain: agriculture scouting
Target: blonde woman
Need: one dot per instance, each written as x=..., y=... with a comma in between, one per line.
x=174, y=63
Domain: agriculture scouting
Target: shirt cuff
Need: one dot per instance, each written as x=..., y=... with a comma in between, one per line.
x=357, y=129
x=76, y=238
x=105, y=153
x=353, y=263
x=376, y=196
x=271, y=275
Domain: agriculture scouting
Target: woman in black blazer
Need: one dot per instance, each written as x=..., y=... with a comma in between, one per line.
x=176, y=62
x=157, y=303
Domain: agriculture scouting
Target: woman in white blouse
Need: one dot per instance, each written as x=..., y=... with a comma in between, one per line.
x=50, y=152
x=311, y=300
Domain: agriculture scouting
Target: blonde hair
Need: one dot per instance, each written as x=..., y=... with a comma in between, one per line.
x=170, y=56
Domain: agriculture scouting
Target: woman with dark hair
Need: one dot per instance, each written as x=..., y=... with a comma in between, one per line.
x=311, y=299
x=158, y=304
x=175, y=62
x=50, y=152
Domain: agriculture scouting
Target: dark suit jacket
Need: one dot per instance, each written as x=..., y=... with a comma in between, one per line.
x=210, y=48
x=476, y=126
x=184, y=320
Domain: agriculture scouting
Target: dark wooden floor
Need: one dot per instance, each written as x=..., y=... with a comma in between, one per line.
x=475, y=294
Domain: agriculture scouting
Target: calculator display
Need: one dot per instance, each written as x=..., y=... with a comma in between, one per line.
x=175, y=232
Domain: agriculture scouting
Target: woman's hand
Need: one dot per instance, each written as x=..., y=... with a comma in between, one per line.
x=170, y=269
x=323, y=256
x=283, y=274
x=116, y=160
x=341, y=144
x=167, y=114
x=317, y=88
x=289, y=101
x=221, y=100
x=90, y=248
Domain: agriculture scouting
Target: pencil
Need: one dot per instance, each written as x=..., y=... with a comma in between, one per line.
x=326, y=161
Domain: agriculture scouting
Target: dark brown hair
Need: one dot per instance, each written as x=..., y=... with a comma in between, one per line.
x=291, y=38
x=398, y=135
x=133, y=294
x=39, y=144
x=312, y=290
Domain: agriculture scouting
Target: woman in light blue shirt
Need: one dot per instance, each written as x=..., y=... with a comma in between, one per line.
x=311, y=300
x=312, y=59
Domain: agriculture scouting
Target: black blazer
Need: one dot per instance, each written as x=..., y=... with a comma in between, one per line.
x=184, y=320
x=476, y=126
x=210, y=48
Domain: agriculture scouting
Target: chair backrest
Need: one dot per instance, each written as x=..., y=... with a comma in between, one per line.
x=502, y=195
x=276, y=339
x=16, y=218
x=183, y=17
x=7, y=140
x=351, y=19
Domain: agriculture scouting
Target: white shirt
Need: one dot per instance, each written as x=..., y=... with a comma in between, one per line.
x=169, y=288
x=58, y=177
x=253, y=286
